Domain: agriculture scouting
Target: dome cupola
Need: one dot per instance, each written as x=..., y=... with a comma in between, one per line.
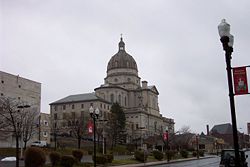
x=122, y=59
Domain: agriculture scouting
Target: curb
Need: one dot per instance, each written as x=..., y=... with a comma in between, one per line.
x=162, y=162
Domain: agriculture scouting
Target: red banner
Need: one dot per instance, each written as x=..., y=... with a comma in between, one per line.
x=90, y=127
x=240, y=80
x=165, y=136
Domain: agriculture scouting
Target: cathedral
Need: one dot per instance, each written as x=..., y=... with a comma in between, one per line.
x=123, y=85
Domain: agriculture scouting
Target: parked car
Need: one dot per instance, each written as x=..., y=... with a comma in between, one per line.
x=39, y=144
x=228, y=158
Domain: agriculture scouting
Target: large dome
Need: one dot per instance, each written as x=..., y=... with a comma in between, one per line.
x=122, y=59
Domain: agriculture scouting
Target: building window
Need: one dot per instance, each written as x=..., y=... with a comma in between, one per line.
x=2, y=81
x=64, y=107
x=64, y=115
x=1, y=94
x=73, y=114
x=19, y=98
x=55, y=116
x=108, y=107
x=55, y=108
x=82, y=106
x=73, y=106
x=91, y=104
x=136, y=116
x=105, y=115
x=55, y=125
x=101, y=105
x=137, y=126
x=45, y=123
x=45, y=134
x=119, y=99
x=19, y=86
x=155, y=125
x=104, y=106
x=112, y=98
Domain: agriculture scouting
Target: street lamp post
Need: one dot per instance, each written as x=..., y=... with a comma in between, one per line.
x=166, y=139
x=94, y=115
x=227, y=42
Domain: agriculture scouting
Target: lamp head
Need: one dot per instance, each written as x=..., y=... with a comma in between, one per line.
x=224, y=32
x=91, y=110
x=97, y=111
x=224, y=28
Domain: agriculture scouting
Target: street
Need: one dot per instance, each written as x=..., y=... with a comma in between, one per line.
x=210, y=162
x=207, y=162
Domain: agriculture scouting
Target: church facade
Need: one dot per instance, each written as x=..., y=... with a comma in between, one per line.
x=123, y=85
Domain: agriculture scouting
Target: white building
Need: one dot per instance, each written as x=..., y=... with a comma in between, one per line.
x=123, y=85
x=20, y=89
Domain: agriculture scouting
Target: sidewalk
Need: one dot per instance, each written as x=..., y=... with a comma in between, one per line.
x=162, y=162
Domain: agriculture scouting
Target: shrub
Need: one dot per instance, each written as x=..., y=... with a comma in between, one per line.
x=201, y=153
x=77, y=154
x=34, y=157
x=100, y=159
x=158, y=155
x=119, y=149
x=141, y=156
x=194, y=153
x=67, y=161
x=131, y=147
x=90, y=152
x=109, y=158
x=171, y=154
x=184, y=153
x=55, y=158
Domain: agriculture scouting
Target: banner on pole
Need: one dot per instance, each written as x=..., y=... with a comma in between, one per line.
x=165, y=136
x=240, y=80
x=90, y=127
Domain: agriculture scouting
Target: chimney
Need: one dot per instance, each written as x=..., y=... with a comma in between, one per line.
x=207, y=130
x=144, y=84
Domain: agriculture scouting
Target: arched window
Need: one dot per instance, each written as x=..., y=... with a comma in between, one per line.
x=153, y=101
x=155, y=124
x=119, y=99
x=112, y=98
x=125, y=101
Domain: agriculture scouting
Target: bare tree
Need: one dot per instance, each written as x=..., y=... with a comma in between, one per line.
x=185, y=129
x=77, y=125
x=54, y=130
x=29, y=125
x=13, y=118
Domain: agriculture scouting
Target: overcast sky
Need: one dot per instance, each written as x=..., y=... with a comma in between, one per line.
x=66, y=45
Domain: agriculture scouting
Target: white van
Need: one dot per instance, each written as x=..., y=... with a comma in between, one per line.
x=39, y=144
